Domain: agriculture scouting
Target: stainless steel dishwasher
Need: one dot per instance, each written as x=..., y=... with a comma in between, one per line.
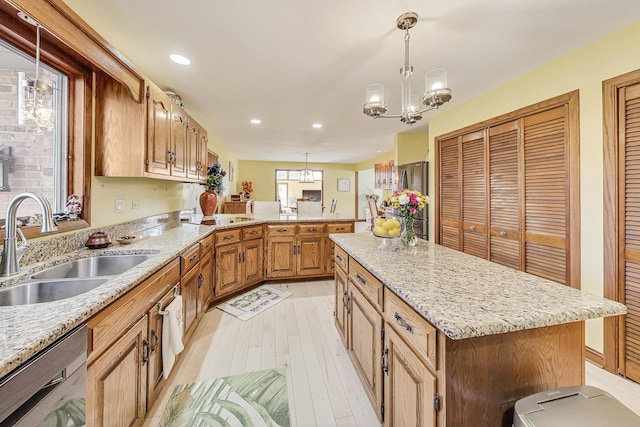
x=49, y=389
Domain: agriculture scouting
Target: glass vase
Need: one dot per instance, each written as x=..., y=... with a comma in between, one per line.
x=408, y=235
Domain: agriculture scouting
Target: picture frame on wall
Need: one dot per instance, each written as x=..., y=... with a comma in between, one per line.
x=344, y=184
x=231, y=171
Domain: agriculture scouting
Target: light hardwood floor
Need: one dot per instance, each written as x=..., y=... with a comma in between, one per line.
x=299, y=334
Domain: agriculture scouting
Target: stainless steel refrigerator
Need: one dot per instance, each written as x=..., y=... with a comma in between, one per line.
x=414, y=176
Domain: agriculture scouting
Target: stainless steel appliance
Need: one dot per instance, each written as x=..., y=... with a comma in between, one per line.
x=50, y=388
x=414, y=176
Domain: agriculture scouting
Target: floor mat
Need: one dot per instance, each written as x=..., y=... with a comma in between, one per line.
x=250, y=303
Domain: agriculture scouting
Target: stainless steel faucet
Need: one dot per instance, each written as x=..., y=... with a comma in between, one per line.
x=12, y=252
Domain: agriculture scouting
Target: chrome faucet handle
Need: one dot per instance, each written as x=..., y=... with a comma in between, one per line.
x=24, y=244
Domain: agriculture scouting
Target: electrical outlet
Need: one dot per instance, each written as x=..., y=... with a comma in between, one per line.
x=119, y=205
x=135, y=204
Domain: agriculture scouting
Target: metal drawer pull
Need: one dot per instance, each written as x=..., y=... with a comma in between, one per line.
x=340, y=229
x=208, y=245
x=312, y=229
x=385, y=361
x=145, y=351
x=193, y=257
x=403, y=323
x=228, y=237
x=361, y=279
x=338, y=257
x=348, y=304
x=503, y=233
x=154, y=340
x=253, y=233
x=344, y=298
x=282, y=230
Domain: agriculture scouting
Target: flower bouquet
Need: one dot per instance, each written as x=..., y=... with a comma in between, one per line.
x=408, y=203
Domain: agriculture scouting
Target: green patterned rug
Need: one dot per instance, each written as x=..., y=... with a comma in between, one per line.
x=252, y=399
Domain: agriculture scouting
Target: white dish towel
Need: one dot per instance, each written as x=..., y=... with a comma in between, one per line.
x=171, y=335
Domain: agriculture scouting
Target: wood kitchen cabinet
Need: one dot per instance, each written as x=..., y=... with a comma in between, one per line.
x=190, y=284
x=207, y=268
x=383, y=175
x=334, y=228
x=409, y=386
x=341, y=295
x=155, y=139
x=117, y=381
x=239, y=259
x=297, y=250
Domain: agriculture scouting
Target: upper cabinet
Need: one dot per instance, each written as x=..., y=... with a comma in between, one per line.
x=155, y=139
x=384, y=175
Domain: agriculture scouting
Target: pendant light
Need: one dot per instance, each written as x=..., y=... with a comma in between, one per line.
x=306, y=174
x=38, y=100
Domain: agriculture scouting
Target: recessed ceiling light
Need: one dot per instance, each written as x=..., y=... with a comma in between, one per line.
x=179, y=59
x=256, y=121
x=317, y=125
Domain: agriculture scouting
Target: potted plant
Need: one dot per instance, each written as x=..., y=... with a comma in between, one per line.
x=212, y=188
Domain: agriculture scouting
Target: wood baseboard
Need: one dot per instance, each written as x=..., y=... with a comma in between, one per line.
x=594, y=357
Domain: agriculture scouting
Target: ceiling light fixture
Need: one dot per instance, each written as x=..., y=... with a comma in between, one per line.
x=436, y=92
x=38, y=100
x=255, y=121
x=317, y=125
x=306, y=174
x=179, y=59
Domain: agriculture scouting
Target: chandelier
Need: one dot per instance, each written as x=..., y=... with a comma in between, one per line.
x=37, y=103
x=306, y=174
x=436, y=92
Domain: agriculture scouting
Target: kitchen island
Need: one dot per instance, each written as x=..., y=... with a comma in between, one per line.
x=464, y=338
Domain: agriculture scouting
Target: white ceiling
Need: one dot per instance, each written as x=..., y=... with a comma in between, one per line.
x=293, y=63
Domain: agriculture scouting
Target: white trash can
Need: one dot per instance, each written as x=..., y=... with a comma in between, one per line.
x=579, y=406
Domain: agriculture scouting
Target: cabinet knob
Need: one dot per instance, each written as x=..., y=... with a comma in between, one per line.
x=503, y=233
x=472, y=228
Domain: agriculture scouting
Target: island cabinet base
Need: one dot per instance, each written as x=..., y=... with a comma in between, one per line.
x=485, y=376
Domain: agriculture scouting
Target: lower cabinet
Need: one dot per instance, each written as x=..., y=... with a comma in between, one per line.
x=341, y=304
x=364, y=338
x=189, y=291
x=205, y=283
x=117, y=381
x=239, y=259
x=409, y=386
x=155, y=371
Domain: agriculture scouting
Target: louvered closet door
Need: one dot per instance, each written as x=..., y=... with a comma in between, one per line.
x=629, y=202
x=474, y=195
x=450, y=193
x=546, y=188
x=504, y=195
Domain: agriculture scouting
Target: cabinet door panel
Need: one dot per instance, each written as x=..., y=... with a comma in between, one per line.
x=155, y=370
x=341, y=304
x=228, y=277
x=281, y=259
x=158, y=132
x=205, y=290
x=504, y=195
x=409, y=386
x=253, y=261
x=117, y=381
x=189, y=288
x=179, y=143
x=365, y=345
x=311, y=255
x=193, y=148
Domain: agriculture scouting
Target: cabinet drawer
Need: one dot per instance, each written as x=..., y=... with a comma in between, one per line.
x=110, y=323
x=250, y=233
x=341, y=258
x=281, y=230
x=371, y=287
x=311, y=228
x=346, y=227
x=229, y=236
x=416, y=331
x=206, y=245
x=190, y=258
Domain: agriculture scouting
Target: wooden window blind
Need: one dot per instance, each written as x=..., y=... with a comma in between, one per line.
x=450, y=194
x=474, y=194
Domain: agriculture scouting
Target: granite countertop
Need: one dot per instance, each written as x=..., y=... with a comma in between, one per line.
x=465, y=296
x=27, y=329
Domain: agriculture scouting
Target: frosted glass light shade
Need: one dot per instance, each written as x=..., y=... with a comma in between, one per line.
x=436, y=79
x=375, y=93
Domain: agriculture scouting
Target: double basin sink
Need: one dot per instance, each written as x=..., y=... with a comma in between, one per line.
x=69, y=279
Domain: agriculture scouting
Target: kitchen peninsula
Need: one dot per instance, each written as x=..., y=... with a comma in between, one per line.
x=464, y=338
x=122, y=314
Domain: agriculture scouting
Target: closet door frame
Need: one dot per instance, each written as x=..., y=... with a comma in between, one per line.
x=613, y=243
x=571, y=100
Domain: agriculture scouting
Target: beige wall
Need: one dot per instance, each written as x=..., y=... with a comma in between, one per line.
x=411, y=147
x=584, y=69
x=382, y=157
x=263, y=176
x=155, y=196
